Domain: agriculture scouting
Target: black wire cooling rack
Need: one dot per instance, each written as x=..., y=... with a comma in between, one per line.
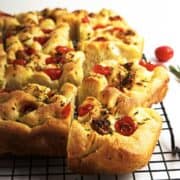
x=164, y=164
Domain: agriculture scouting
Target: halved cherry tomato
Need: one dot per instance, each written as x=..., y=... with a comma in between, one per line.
x=148, y=65
x=104, y=70
x=85, y=19
x=63, y=49
x=115, y=18
x=65, y=111
x=21, y=62
x=125, y=126
x=55, y=60
x=117, y=29
x=30, y=51
x=53, y=73
x=41, y=40
x=99, y=26
x=47, y=30
x=51, y=60
x=164, y=53
x=101, y=39
x=82, y=110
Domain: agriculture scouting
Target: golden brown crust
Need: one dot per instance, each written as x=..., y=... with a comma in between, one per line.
x=145, y=90
x=89, y=152
x=29, y=125
x=36, y=119
x=155, y=93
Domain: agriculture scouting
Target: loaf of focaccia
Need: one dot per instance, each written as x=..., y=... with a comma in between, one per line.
x=36, y=120
x=100, y=142
x=74, y=84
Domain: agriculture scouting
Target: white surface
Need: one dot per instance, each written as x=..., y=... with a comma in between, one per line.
x=156, y=20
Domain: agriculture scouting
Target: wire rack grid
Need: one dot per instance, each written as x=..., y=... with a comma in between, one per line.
x=164, y=163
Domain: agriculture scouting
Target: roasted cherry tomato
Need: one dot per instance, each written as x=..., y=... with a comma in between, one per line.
x=99, y=26
x=41, y=40
x=82, y=110
x=29, y=51
x=115, y=18
x=125, y=126
x=148, y=65
x=63, y=49
x=101, y=39
x=55, y=60
x=53, y=73
x=65, y=111
x=85, y=19
x=21, y=62
x=47, y=30
x=116, y=29
x=51, y=60
x=164, y=53
x=104, y=70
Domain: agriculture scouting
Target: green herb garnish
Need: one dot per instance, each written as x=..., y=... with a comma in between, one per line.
x=175, y=71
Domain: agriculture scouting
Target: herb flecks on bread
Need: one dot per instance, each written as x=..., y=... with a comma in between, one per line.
x=74, y=84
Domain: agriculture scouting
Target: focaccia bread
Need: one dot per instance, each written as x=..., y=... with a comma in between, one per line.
x=36, y=120
x=106, y=35
x=56, y=66
x=40, y=47
x=121, y=87
x=47, y=59
x=100, y=142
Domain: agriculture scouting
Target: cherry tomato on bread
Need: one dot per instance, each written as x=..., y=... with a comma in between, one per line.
x=125, y=126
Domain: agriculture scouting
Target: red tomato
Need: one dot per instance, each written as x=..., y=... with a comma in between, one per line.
x=41, y=40
x=125, y=126
x=104, y=70
x=63, y=49
x=85, y=19
x=20, y=62
x=164, y=53
x=82, y=110
x=148, y=65
x=51, y=60
x=100, y=39
x=47, y=30
x=99, y=26
x=115, y=18
x=53, y=73
x=117, y=29
x=30, y=51
x=66, y=110
x=55, y=60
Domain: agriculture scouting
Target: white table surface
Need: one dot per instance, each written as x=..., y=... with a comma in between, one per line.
x=155, y=20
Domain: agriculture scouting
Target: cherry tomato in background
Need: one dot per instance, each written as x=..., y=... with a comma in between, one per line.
x=164, y=53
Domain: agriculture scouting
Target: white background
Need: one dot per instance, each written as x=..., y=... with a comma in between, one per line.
x=156, y=20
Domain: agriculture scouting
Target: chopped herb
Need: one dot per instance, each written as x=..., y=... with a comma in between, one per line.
x=136, y=113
